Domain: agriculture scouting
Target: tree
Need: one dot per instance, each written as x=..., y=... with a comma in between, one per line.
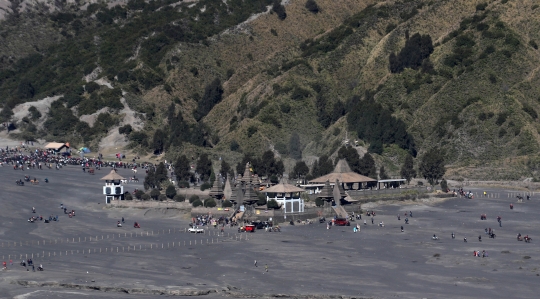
x=322, y=166
x=158, y=142
x=319, y=202
x=197, y=203
x=444, y=185
x=145, y=197
x=312, y=6
x=226, y=169
x=407, y=170
x=181, y=169
x=432, y=166
x=25, y=89
x=268, y=165
x=350, y=155
x=160, y=174
x=300, y=170
x=382, y=173
x=227, y=203
x=162, y=197
x=149, y=180
x=213, y=94
x=295, y=147
x=417, y=48
x=170, y=113
x=170, y=191
x=240, y=167
x=279, y=9
x=367, y=166
x=204, y=167
x=155, y=194
x=6, y=113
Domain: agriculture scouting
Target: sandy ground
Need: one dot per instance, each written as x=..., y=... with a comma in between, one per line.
x=307, y=260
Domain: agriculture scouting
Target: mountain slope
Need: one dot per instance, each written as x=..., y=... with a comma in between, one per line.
x=463, y=77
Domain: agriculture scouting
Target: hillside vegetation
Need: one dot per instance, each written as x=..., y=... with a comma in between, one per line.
x=298, y=78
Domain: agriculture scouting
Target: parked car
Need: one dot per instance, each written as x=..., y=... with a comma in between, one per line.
x=342, y=222
x=196, y=230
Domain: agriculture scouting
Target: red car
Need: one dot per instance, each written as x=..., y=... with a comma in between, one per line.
x=342, y=222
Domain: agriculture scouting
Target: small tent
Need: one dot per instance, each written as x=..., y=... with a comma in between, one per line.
x=84, y=150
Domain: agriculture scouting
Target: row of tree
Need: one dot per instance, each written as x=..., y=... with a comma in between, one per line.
x=431, y=167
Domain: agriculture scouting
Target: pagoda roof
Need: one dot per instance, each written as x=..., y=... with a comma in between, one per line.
x=113, y=176
x=344, y=174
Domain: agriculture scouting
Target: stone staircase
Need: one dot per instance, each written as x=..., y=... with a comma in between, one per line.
x=340, y=211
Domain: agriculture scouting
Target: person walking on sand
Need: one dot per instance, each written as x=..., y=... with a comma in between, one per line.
x=265, y=267
x=255, y=263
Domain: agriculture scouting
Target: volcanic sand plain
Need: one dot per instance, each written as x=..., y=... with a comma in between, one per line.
x=306, y=261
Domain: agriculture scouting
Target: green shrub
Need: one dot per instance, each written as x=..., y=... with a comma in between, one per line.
x=179, y=198
x=193, y=198
x=128, y=196
x=154, y=193
x=162, y=197
x=319, y=202
x=197, y=203
x=126, y=129
x=501, y=119
x=312, y=6
x=227, y=203
x=390, y=27
x=502, y=132
x=34, y=113
x=533, y=44
x=205, y=186
x=139, y=194
x=209, y=203
x=285, y=108
x=262, y=199
x=145, y=197
x=170, y=192
x=444, y=185
x=251, y=130
x=481, y=6
x=529, y=110
x=279, y=9
x=492, y=79
x=183, y=184
x=272, y=204
x=482, y=27
x=91, y=87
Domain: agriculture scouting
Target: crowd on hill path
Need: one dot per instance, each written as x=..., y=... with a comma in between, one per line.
x=22, y=157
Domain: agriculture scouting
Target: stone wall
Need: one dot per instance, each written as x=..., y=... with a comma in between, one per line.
x=150, y=204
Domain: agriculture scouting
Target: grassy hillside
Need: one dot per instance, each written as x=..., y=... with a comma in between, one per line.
x=465, y=78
